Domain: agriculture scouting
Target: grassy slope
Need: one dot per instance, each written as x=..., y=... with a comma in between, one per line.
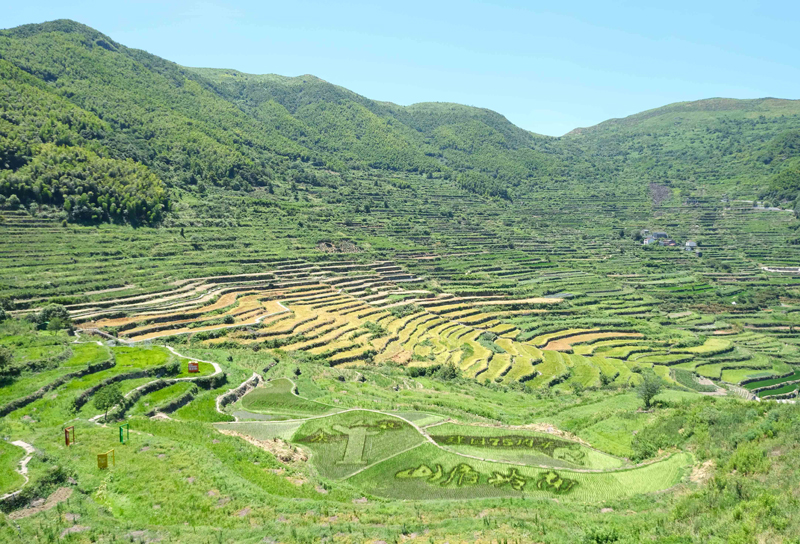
x=223, y=476
x=572, y=197
x=10, y=479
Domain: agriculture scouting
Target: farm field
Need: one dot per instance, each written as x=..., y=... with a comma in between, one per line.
x=421, y=372
x=239, y=308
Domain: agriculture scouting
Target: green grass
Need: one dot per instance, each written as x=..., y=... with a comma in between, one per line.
x=614, y=434
x=337, y=454
x=686, y=378
x=34, y=353
x=129, y=359
x=277, y=397
x=774, y=381
x=88, y=353
x=10, y=456
x=382, y=479
x=789, y=388
x=465, y=439
x=159, y=398
x=264, y=430
x=420, y=418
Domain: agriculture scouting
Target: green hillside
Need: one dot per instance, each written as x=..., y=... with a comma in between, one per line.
x=326, y=318
x=725, y=146
x=67, y=84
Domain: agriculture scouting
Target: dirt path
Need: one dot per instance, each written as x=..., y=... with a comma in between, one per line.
x=59, y=495
x=718, y=392
x=23, y=466
x=217, y=370
x=247, y=385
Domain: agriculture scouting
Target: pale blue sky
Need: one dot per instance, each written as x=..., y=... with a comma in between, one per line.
x=547, y=66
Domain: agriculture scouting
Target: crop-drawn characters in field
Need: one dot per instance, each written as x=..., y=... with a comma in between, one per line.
x=388, y=425
x=553, y=482
x=513, y=478
x=422, y=471
x=356, y=440
x=557, y=449
x=462, y=474
x=573, y=455
x=320, y=437
x=356, y=436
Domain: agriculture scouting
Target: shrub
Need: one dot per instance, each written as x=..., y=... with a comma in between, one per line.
x=52, y=312
x=403, y=311
x=108, y=397
x=650, y=387
x=56, y=324
x=749, y=459
x=375, y=330
x=5, y=358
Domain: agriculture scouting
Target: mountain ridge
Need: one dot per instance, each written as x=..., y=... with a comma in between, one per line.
x=198, y=127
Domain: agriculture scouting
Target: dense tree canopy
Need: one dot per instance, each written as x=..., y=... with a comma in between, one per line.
x=104, y=132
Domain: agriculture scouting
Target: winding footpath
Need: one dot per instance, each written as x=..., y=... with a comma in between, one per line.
x=217, y=370
x=23, y=466
x=238, y=391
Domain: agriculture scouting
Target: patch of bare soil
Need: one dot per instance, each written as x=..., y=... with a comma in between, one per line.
x=243, y=512
x=277, y=447
x=659, y=193
x=342, y=247
x=74, y=529
x=719, y=392
x=142, y=536
x=59, y=495
x=296, y=480
x=701, y=474
x=402, y=357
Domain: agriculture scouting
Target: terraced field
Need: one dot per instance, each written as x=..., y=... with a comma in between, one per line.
x=389, y=455
x=354, y=314
x=385, y=309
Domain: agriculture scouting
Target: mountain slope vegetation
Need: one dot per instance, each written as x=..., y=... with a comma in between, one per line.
x=188, y=128
x=325, y=318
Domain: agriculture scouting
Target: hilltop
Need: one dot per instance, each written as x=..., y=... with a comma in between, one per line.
x=158, y=125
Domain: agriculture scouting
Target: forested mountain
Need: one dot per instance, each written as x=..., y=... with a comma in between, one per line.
x=742, y=146
x=105, y=132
